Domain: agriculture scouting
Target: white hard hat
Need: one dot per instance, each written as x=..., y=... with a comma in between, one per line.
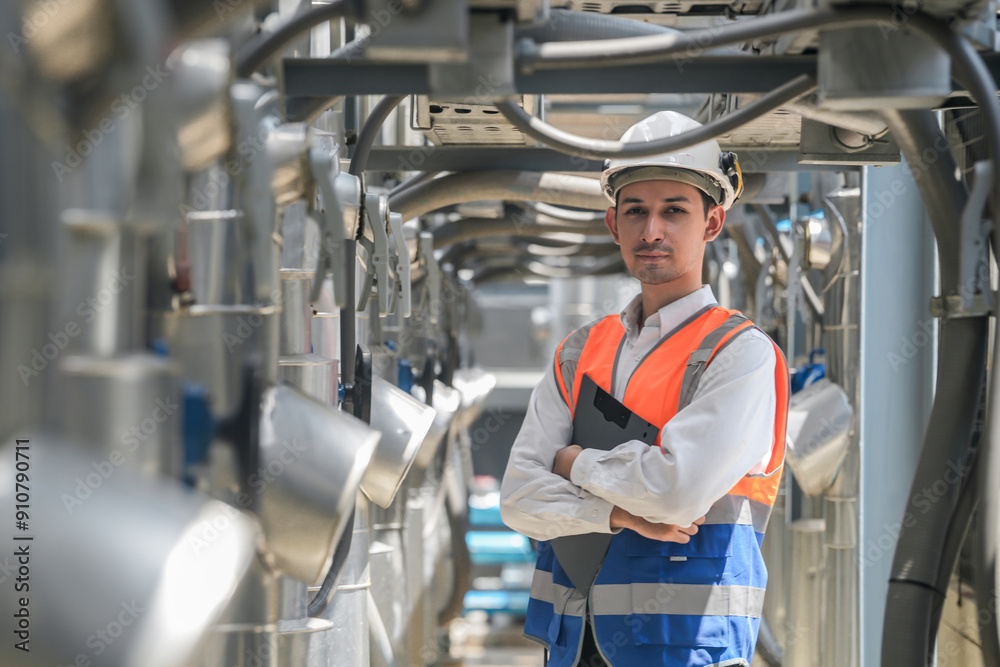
x=704, y=166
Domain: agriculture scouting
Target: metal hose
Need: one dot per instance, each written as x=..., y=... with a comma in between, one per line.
x=569, y=215
x=567, y=25
x=476, y=228
x=560, y=189
x=586, y=147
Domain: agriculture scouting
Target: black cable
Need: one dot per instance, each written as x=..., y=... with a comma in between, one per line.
x=655, y=48
x=348, y=340
x=258, y=51
x=324, y=596
x=369, y=132
x=572, y=144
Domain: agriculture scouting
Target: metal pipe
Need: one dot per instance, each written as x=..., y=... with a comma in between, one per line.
x=914, y=603
x=566, y=214
x=867, y=124
x=842, y=306
x=381, y=641
x=476, y=228
x=805, y=609
x=657, y=48
x=560, y=189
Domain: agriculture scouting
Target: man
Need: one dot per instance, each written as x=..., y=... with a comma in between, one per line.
x=682, y=583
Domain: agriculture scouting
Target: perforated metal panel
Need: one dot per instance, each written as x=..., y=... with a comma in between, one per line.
x=460, y=123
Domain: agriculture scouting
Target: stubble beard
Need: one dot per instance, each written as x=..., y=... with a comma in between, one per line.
x=652, y=275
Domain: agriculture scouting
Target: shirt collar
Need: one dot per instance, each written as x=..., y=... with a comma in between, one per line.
x=670, y=316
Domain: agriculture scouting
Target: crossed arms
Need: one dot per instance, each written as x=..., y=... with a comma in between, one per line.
x=550, y=490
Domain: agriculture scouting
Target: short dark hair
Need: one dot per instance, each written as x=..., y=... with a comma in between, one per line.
x=706, y=200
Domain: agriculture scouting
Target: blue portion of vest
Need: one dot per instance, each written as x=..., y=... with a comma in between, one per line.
x=719, y=555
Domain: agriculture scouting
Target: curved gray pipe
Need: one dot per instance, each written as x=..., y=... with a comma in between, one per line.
x=924, y=558
x=868, y=124
x=476, y=228
x=566, y=214
x=560, y=189
x=493, y=273
x=568, y=25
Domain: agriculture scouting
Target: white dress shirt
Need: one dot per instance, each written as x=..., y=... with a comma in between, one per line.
x=723, y=434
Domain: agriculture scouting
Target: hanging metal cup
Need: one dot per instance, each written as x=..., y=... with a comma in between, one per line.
x=404, y=422
x=818, y=435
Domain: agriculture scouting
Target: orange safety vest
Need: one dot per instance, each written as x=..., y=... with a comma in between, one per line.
x=662, y=603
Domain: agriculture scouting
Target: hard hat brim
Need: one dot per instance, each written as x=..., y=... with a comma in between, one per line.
x=614, y=179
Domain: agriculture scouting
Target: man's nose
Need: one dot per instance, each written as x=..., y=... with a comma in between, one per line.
x=653, y=231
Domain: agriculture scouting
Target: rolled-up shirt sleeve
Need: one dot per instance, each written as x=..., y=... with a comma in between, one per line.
x=534, y=501
x=705, y=449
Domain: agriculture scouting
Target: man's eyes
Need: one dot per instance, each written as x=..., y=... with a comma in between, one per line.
x=673, y=210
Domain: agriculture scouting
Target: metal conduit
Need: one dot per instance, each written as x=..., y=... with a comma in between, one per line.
x=566, y=214
x=559, y=189
x=915, y=598
x=476, y=228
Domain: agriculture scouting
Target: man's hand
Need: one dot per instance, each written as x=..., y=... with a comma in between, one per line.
x=565, y=457
x=663, y=532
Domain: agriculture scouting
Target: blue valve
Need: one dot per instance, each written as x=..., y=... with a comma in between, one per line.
x=406, y=377
x=199, y=424
x=807, y=374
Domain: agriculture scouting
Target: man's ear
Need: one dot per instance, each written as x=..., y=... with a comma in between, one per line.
x=716, y=217
x=611, y=221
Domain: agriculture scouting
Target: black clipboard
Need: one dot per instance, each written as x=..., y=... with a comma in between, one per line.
x=599, y=421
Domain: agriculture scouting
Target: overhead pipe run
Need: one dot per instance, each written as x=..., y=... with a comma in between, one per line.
x=569, y=215
x=868, y=125
x=549, y=188
x=563, y=25
x=477, y=228
x=656, y=48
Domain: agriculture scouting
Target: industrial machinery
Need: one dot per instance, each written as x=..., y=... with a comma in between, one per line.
x=269, y=267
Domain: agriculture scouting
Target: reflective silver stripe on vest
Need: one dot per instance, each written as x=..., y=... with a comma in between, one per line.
x=698, y=360
x=564, y=600
x=684, y=599
x=569, y=356
x=739, y=510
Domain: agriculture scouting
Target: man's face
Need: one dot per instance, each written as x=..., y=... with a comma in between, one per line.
x=662, y=229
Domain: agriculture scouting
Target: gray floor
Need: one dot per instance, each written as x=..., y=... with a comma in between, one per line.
x=477, y=640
